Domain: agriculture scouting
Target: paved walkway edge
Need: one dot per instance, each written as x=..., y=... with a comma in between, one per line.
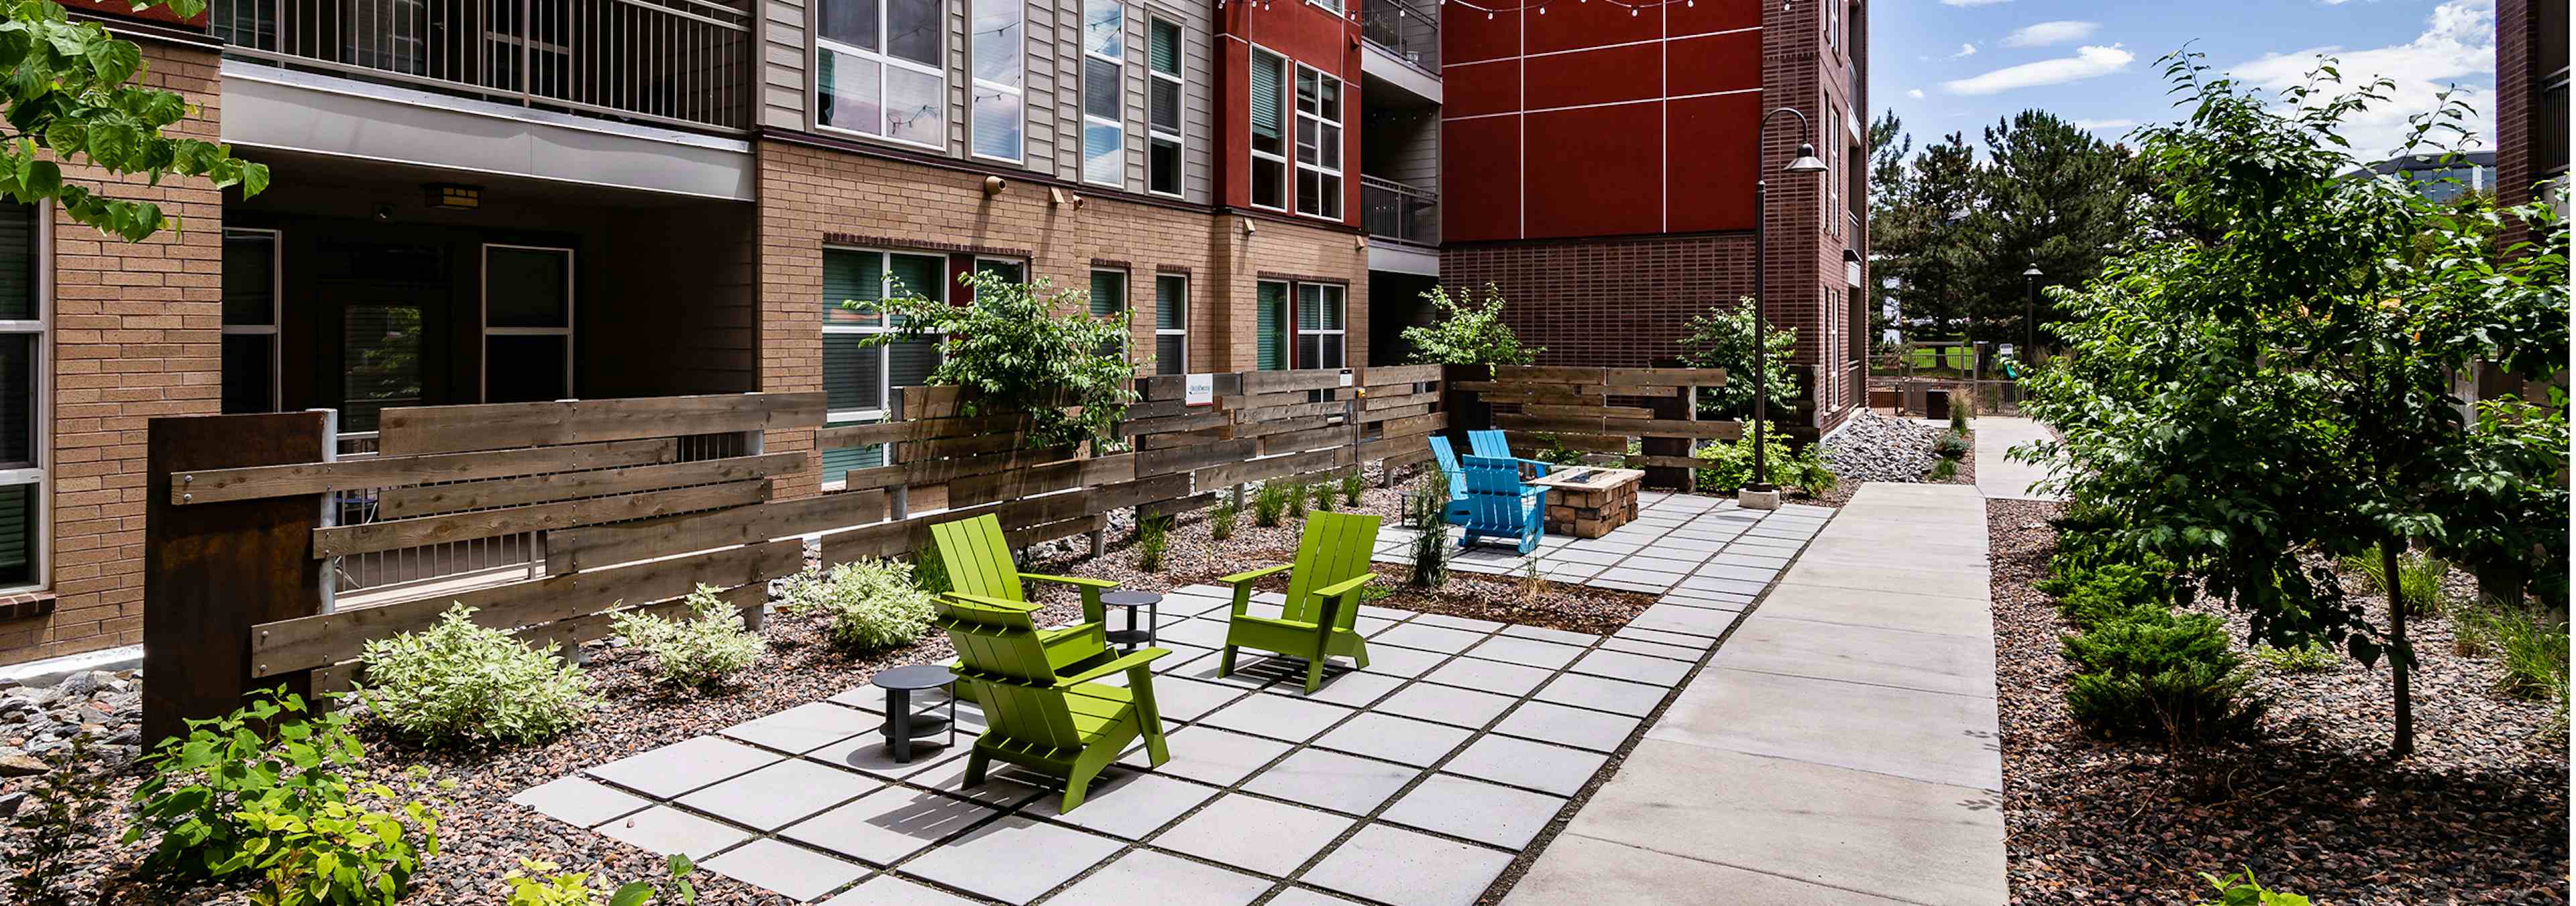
x=1997, y=474
x=1840, y=747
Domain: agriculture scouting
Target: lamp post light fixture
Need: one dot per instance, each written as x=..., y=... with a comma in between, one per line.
x=2029, y=313
x=1805, y=162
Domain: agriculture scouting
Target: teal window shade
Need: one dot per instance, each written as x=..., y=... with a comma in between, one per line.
x=1271, y=305
x=1171, y=324
x=1165, y=53
x=852, y=378
x=1109, y=300
x=18, y=224
x=1269, y=103
x=851, y=276
x=838, y=462
x=919, y=275
x=18, y=521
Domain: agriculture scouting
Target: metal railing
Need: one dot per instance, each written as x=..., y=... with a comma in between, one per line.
x=685, y=63
x=1410, y=32
x=1393, y=210
x=2550, y=125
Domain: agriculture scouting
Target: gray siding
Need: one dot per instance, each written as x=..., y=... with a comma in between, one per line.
x=783, y=87
x=1039, y=104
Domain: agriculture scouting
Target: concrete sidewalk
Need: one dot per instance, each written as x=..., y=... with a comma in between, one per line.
x=1839, y=748
x=1998, y=476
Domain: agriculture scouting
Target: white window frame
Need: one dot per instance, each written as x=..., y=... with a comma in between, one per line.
x=974, y=84
x=483, y=292
x=1088, y=119
x=1180, y=94
x=1341, y=104
x=40, y=409
x=1297, y=331
x=882, y=58
x=276, y=312
x=885, y=354
x=1283, y=162
x=1182, y=331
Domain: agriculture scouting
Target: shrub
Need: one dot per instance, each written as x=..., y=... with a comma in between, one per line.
x=2090, y=597
x=1723, y=338
x=1153, y=537
x=1296, y=499
x=534, y=883
x=704, y=649
x=1427, y=506
x=1465, y=333
x=1221, y=521
x=1730, y=463
x=2419, y=575
x=2534, y=654
x=2153, y=673
x=1351, y=488
x=344, y=853
x=461, y=682
x=1943, y=470
x=1962, y=405
x=930, y=571
x=1951, y=444
x=1324, y=494
x=2242, y=890
x=1532, y=585
x=1268, y=503
x=2313, y=657
x=1552, y=449
x=55, y=825
x=872, y=603
x=1021, y=352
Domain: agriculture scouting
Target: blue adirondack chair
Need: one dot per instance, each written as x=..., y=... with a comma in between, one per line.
x=1492, y=443
x=1447, y=459
x=1500, y=505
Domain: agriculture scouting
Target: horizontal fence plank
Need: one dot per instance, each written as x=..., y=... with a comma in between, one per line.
x=315, y=641
x=1588, y=411
x=920, y=450
x=401, y=533
x=412, y=430
x=1675, y=377
x=1385, y=375
x=399, y=503
x=1249, y=470
x=1389, y=413
x=1292, y=410
x=1193, y=421
x=1175, y=506
x=1556, y=423
x=1309, y=439
x=1381, y=400
x=1414, y=426
x=1181, y=439
x=1045, y=479
x=1636, y=427
x=596, y=546
x=1659, y=391
x=1552, y=374
x=1175, y=386
x=917, y=429
x=1184, y=459
x=1640, y=461
x=255, y=482
x=1281, y=426
x=942, y=471
x=1581, y=443
x=887, y=539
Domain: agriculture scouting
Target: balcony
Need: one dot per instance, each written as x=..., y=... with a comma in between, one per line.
x=2549, y=128
x=1395, y=211
x=1409, y=32
x=683, y=64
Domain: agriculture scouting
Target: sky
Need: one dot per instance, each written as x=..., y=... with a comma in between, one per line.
x=1960, y=65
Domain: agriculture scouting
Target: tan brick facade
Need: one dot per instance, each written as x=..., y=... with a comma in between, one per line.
x=135, y=334
x=814, y=196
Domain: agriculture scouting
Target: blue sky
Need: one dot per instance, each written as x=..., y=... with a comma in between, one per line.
x=1959, y=65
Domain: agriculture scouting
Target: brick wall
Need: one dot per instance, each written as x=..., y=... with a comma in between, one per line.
x=135, y=334
x=810, y=194
x=2515, y=82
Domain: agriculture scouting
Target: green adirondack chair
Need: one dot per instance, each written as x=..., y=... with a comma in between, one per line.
x=1067, y=727
x=1323, y=598
x=980, y=571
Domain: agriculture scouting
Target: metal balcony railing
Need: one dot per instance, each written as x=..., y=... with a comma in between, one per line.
x=1409, y=31
x=1393, y=210
x=683, y=63
x=2550, y=126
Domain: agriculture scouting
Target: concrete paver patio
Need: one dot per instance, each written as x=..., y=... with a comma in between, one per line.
x=1415, y=781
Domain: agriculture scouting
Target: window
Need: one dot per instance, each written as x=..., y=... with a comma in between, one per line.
x=1269, y=130
x=857, y=380
x=1163, y=110
x=1109, y=300
x=250, y=321
x=1270, y=305
x=527, y=324
x=22, y=397
x=878, y=70
x=1171, y=324
x=1319, y=144
x=1010, y=269
x=1104, y=128
x=1319, y=325
x=996, y=121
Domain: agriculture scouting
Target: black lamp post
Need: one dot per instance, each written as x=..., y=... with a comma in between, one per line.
x=1805, y=162
x=2029, y=314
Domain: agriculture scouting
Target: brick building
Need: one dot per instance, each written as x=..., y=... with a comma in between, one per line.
x=2531, y=99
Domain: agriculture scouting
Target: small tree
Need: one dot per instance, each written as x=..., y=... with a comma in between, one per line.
x=68, y=94
x=1468, y=333
x=1022, y=348
x=1723, y=338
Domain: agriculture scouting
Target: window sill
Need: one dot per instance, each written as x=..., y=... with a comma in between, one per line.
x=26, y=605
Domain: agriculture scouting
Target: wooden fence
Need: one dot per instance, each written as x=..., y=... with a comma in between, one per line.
x=1599, y=410
x=239, y=532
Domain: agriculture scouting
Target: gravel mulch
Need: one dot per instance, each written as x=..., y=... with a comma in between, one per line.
x=2478, y=815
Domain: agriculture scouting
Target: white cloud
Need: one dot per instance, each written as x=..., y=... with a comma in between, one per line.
x=1965, y=50
x=1915, y=93
x=2089, y=61
x=2456, y=46
x=2121, y=124
x=2047, y=33
x=1972, y=2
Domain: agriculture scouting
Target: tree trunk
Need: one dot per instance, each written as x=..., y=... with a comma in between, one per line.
x=2401, y=655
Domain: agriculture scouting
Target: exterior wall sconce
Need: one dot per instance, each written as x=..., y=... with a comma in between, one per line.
x=992, y=186
x=1248, y=228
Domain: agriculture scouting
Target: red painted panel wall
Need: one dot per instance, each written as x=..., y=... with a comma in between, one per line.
x=1593, y=171
x=1304, y=33
x=1484, y=153
x=1604, y=151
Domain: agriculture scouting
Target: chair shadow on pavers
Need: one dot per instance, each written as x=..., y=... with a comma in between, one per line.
x=1315, y=619
x=1064, y=727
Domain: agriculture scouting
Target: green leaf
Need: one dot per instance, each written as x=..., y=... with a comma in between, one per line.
x=635, y=893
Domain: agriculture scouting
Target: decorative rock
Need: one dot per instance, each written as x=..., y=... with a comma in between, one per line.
x=20, y=766
x=10, y=803
x=1874, y=447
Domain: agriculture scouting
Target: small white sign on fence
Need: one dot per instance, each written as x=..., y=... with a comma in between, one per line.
x=1345, y=378
x=1198, y=390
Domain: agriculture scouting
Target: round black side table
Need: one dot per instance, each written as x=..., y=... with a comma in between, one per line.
x=1131, y=601
x=903, y=725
